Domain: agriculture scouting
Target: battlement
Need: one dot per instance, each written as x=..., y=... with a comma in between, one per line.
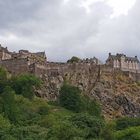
x=36, y=63
x=22, y=61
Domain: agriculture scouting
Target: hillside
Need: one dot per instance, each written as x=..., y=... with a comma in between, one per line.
x=72, y=116
x=117, y=93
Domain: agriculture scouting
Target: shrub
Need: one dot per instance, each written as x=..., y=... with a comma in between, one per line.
x=124, y=123
x=64, y=131
x=25, y=84
x=43, y=110
x=92, y=126
x=9, y=107
x=108, y=131
x=91, y=106
x=132, y=133
x=73, y=59
x=69, y=98
x=5, y=127
x=3, y=79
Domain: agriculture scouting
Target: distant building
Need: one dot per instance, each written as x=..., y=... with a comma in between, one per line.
x=4, y=53
x=26, y=54
x=92, y=60
x=124, y=63
x=23, y=61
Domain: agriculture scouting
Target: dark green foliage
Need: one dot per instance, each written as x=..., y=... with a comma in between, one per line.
x=73, y=59
x=3, y=74
x=69, y=98
x=124, y=123
x=32, y=132
x=43, y=110
x=64, y=131
x=9, y=107
x=72, y=99
x=24, y=85
x=3, y=79
x=108, y=131
x=1, y=104
x=91, y=106
x=5, y=126
x=131, y=133
x=92, y=126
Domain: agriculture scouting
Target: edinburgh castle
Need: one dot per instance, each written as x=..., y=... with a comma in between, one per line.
x=36, y=63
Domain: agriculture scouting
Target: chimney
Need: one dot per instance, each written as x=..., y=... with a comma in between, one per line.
x=109, y=54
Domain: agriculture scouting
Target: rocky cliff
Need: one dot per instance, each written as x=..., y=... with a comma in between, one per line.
x=118, y=94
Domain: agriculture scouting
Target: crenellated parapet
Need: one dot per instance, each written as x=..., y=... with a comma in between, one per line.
x=36, y=63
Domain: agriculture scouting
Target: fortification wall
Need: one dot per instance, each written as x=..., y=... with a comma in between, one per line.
x=15, y=66
x=64, y=68
x=39, y=70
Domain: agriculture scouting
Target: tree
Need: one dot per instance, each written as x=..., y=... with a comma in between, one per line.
x=69, y=98
x=131, y=133
x=73, y=59
x=64, y=131
x=25, y=84
x=5, y=127
x=126, y=122
x=91, y=106
x=3, y=79
x=9, y=107
x=92, y=126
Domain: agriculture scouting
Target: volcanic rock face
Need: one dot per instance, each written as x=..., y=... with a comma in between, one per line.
x=118, y=94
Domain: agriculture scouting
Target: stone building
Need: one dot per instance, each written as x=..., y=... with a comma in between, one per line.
x=23, y=61
x=4, y=53
x=36, y=57
x=92, y=60
x=124, y=63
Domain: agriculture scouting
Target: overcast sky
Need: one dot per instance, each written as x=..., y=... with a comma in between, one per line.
x=65, y=28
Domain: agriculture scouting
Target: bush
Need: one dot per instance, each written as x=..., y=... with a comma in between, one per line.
x=43, y=110
x=25, y=84
x=64, y=131
x=91, y=106
x=69, y=98
x=132, y=133
x=91, y=126
x=9, y=107
x=124, y=123
x=3, y=79
x=31, y=132
x=108, y=131
x=73, y=59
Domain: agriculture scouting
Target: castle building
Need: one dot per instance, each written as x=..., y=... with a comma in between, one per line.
x=124, y=63
x=4, y=53
x=92, y=60
x=23, y=61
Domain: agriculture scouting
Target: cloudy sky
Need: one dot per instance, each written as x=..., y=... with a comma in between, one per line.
x=65, y=28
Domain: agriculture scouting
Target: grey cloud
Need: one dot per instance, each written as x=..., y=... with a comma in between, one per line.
x=121, y=34
x=64, y=30
x=16, y=11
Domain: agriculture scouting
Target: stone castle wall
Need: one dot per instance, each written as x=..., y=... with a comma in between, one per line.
x=39, y=70
x=26, y=62
x=63, y=68
x=16, y=66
